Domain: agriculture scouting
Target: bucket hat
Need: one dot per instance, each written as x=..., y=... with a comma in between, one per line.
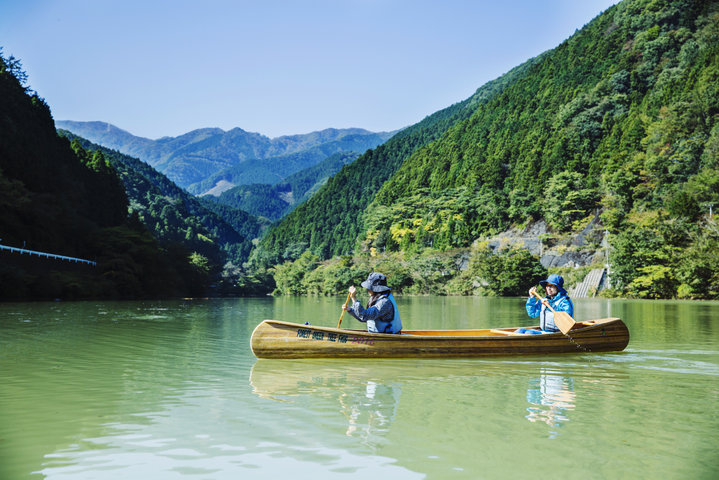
x=555, y=280
x=376, y=282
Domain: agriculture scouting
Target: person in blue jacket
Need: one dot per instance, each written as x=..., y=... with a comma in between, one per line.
x=557, y=298
x=381, y=314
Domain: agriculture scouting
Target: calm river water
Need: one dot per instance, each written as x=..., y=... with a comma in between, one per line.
x=167, y=390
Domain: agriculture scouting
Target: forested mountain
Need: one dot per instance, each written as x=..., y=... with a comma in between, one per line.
x=174, y=216
x=275, y=201
x=621, y=119
x=337, y=208
x=193, y=157
x=276, y=169
x=71, y=202
x=613, y=134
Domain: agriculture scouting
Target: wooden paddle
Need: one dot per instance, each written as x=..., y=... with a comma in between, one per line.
x=343, y=309
x=563, y=320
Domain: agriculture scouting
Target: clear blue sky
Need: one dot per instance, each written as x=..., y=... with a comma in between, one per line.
x=157, y=68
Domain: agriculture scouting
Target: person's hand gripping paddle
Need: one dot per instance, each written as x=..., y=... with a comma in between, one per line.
x=561, y=319
x=344, y=308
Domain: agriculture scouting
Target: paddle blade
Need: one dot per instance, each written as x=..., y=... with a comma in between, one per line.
x=563, y=321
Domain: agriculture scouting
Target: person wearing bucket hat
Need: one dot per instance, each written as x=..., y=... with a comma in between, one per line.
x=557, y=298
x=381, y=314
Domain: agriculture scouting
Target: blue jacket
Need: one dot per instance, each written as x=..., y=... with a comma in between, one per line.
x=382, y=317
x=560, y=302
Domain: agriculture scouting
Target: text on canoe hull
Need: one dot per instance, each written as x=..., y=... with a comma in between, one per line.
x=332, y=337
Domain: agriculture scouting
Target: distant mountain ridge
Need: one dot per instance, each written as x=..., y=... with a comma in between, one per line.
x=275, y=201
x=194, y=156
x=274, y=170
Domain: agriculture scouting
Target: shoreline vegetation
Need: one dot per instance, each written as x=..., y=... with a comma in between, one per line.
x=485, y=269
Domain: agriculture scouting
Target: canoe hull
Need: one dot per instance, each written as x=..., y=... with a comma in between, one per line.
x=276, y=339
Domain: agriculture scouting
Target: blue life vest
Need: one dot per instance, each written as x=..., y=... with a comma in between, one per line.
x=560, y=302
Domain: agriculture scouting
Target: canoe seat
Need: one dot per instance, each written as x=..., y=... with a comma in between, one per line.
x=507, y=332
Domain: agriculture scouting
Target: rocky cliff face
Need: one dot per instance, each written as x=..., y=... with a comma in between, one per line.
x=578, y=250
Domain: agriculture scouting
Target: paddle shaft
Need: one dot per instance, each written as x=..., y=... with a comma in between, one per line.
x=343, y=309
x=563, y=320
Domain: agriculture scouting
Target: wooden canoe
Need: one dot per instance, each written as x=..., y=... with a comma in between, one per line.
x=276, y=339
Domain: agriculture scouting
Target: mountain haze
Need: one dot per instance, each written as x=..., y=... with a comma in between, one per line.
x=274, y=170
x=193, y=157
x=275, y=201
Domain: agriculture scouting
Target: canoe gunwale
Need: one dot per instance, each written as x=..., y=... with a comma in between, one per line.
x=278, y=339
x=596, y=324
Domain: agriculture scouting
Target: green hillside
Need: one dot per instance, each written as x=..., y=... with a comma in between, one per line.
x=275, y=201
x=329, y=223
x=619, y=119
x=72, y=202
x=174, y=216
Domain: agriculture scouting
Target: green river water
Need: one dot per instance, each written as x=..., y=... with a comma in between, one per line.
x=171, y=390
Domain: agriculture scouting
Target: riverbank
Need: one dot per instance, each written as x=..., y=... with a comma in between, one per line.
x=506, y=264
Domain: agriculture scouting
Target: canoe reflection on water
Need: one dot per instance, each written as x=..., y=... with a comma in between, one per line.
x=368, y=402
x=551, y=397
x=368, y=394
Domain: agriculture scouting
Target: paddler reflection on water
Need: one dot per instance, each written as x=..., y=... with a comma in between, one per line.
x=371, y=410
x=381, y=314
x=552, y=397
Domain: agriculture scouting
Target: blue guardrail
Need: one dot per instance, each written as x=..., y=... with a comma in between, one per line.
x=47, y=255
